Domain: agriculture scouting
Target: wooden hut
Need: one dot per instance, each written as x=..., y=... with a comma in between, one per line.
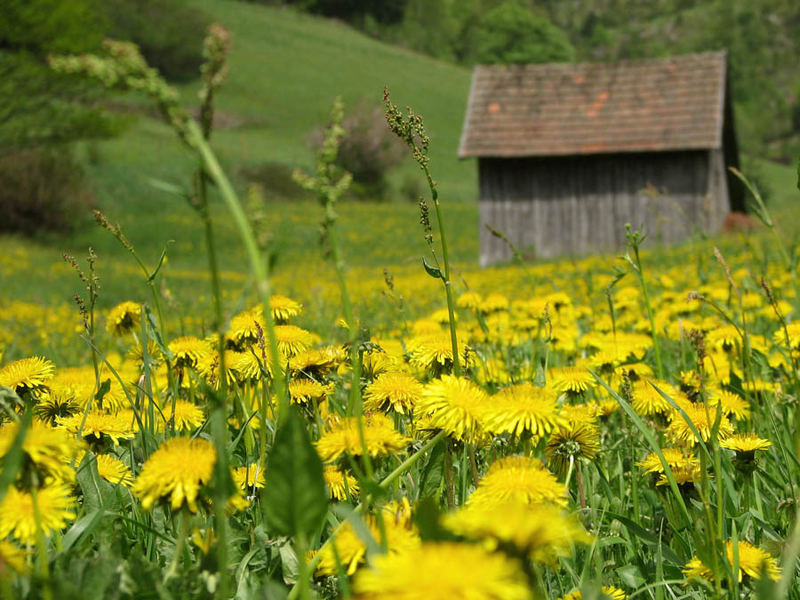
x=570, y=153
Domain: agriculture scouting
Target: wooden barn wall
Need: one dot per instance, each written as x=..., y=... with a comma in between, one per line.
x=576, y=205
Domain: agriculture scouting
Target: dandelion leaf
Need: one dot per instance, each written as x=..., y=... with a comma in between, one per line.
x=295, y=501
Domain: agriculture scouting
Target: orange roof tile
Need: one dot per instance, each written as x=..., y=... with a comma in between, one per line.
x=558, y=109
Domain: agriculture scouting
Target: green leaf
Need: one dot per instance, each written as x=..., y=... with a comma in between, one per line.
x=289, y=565
x=105, y=387
x=631, y=576
x=161, y=261
x=652, y=441
x=295, y=501
x=427, y=518
x=648, y=537
x=98, y=493
x=434, y=272
x=433, y=473
x=167, y=187
x=81, y=529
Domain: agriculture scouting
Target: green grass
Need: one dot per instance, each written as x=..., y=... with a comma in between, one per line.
x=285, y=70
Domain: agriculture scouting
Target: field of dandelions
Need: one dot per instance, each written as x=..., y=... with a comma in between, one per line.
x=616, y=426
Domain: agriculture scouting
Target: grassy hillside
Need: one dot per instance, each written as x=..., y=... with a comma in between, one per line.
x=286, y=69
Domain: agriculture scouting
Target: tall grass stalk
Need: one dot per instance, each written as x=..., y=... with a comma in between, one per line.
x=411, y=130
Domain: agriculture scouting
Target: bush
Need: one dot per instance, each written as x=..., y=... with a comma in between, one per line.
x=42, y=189
x=368, y=150
x=169, y=34
x=276, y=182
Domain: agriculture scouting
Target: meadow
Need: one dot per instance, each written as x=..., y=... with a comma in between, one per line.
x=283, y=424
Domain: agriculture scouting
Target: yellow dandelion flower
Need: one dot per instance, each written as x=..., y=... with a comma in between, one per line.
x=136, y=354
x=53, y=405
x=73, y=384
x=442, y=316
x=292, y=339
x=745, y=446
x=204, y=540
x=51, y=450
x=305, y=391
x=397, y=391
x=246, y=327
x=454, y=404
x=609, y=591
x=426, y=327
x=97, y=424
x=606, y=360
x=209, y=367
x=732, y=404
x=702, y=418
x=284, y=308
x=573, y=441
x=492, y=371
x=124, y=318
x=351, y=549
x=793, y=329
x=189, y=350
x=604, y=408
x=745, y=443
x=543, y=532
x=114, y=470
x=18, y=518
x=245, y=367
x=523, y=408
x=188, y=416
x=469, y=300
x=647, y=401
x=675, y=457
x=572, y=380
x=494, y=302
x=433, y=352
x=249, y=477
x=442, y=570
x=12, y=559
x=380, y=437
x=579, y=413
x=519, y=478
x=385, y=356
x=177, y=471
x=315, y=364
x=27, y=374
x=752, y=562
x=686, y=472
x=339, y=483
x=724, y=338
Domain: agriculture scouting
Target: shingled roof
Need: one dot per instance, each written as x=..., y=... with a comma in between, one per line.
x=560, y=109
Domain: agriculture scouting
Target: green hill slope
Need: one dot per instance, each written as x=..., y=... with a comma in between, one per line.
x=286, y=68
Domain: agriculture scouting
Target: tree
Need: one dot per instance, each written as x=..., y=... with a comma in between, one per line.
x=38, y=106
x=513, y=34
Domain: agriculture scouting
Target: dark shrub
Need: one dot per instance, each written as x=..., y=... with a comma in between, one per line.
x=42, y=189
x=368, y=150
x=275, y=181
